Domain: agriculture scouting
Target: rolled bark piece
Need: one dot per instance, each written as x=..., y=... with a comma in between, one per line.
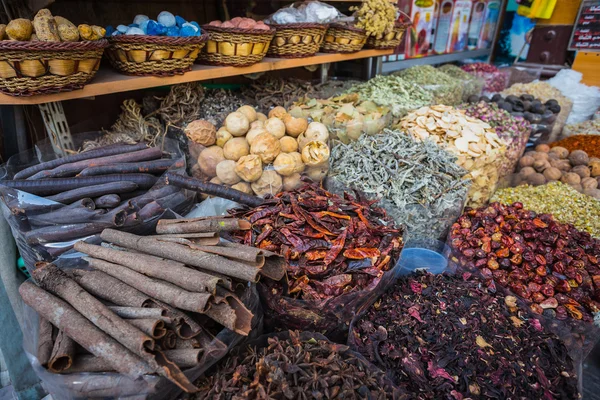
x=156, y=193
x=154, y=328
x=65, y=215
x=138, y=312
x=169, y=340
x=155, y=267
x=201, y=225
x=18, y=209
x=49, y=187
x=170, y=294
x=54, y=280
x=63, y=353
x=101, y=152
x=76, y=326
x=94, y=191
x=107, y=201
x=45, y=342
x=108, y=288
x=203, y=239
x=151, y=153
x=62, y=233
x=88, y=363
x=184, y=358
x=213, y=189
x=230, y=312
x=149, y=167
x=182, y=253
x=159, y=206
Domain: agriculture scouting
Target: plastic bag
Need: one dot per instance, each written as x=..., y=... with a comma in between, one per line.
x=307, y=11
x=117, y=386
x=586, y=99
x=24, y=211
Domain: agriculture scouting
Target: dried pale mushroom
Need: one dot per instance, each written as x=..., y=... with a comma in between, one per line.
x=237, y=124
x=266, y=146
x=270, y=182
x=243, y=187
x=317, y=131
x=226, y=172
x=261, y=117
x=253, y=133
x=294, y=126
x=299, y=163
x=208, y=160
x=222, y=137
x=288, y=144
x=285, y=164
x=236, y=148
x=277, y=112
x=249, y=112
x=292, y=182
x=275, y=127
x=249, y=168
x=257, y=124
x=201, y=132
x=315, y=153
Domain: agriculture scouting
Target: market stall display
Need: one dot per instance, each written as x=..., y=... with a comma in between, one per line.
x=347, y=117
x=52, y=204
x=479, y=149
x=165, y=47
x=496, y=80
x=48, y=55
x=445, y=89
x=546, y=164
x=418, y=183
x=442, y=336
x=471, y=84
x=514, y=131
x=565, y=204
x=399, y=95
x=586, y=143
x=551, y=265
x=589, y=127
x=239, y=42
x=337, y=252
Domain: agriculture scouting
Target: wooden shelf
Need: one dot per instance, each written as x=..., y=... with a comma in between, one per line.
x=109, y=81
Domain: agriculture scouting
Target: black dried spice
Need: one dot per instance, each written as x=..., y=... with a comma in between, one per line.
x=443, y=337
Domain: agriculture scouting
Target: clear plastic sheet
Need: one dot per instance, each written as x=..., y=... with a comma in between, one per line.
x=515, y=147
x=306, y=11
x=117, y=386
x=586, y=99
x=22, y=209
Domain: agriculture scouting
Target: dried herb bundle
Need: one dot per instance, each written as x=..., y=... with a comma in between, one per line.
x=303, y=366
x=421, y=181
x=445, y=90
x=182, y=104
x=443, y=337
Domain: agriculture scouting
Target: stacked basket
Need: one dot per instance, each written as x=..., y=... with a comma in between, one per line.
x=296, y=40
x=391, y=39
x=342, y=38
x=235, y=47
x=154, y=55
x=30, y=68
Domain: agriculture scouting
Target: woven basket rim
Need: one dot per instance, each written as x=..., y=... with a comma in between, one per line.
x=347, y=27
x=234, y=30
x=159, y=40
x=8, y=45
x=299, y=25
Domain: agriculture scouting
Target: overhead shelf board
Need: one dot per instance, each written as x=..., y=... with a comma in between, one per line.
x=109, y=81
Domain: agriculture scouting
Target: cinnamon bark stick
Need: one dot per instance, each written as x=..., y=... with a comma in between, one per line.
x=171, y=271
x=63, y=353
x=230, y=312
x=94, y=191
x=182, y=253
x=76, y=326
x=89, y=363
x=154, y=328
x=168, y=341
x=170, y=294
x=184, y=358
x=108, y=288
x=139, y=312
x=201, y=225
x=203, y=239
x=45, y=341
x=50, y=278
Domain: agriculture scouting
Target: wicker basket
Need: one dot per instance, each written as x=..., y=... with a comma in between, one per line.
x=388, y=41
x=296, y=40
x=343, y=39
x=154, y=55
x=234, y=46
x=30, y=68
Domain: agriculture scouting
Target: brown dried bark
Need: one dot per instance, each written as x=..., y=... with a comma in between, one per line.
x=63, y=353
x=169, y=340
x=152, y=327
x=45, y=341
x=184, y=358
x=201, y=225
x=139, y=313
x=88, y=363
x=230, y=312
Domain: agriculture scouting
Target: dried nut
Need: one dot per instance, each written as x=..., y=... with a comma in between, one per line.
x=579, y=157
x=560, y=151
x=552, y=174
x=544, y=148
x=582, y=170
x=571, y=178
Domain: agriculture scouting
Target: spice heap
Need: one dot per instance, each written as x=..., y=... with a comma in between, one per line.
x=377, y=17
x=495, y=80
x=445, y=90
x=562, y=201
x=589, y=127
x=259, y=155
x=394, y=92
x=553, y=266
x=347, y=117
x=588, y=143
x=420, y=184
x=526, y=106
x=514, y=131
x=171, y=293
x=334, y=247
x=306, y=365
x=443, y=337
x=48, y=28
x=546, y=164
x=478, y=147
x=471, y=85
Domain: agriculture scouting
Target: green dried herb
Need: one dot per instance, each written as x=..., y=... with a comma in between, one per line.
x=418, y=182
x=445, y=90
x=400, y=95
x=471, y=85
